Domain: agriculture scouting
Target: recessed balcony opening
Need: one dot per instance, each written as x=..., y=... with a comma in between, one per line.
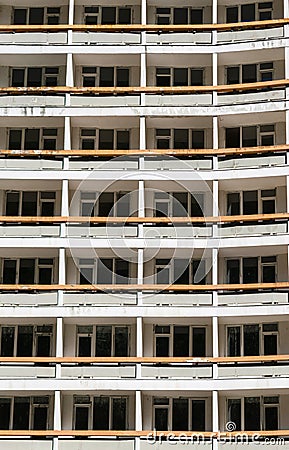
x=103, y=340
x=26, y=340
x=252, y=339
x=36, y=15
x=254, y=412
x=107, y=15
x=25, y=413
x=180, y=341
x=105, y=271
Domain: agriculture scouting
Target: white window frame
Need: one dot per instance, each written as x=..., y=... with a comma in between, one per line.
x=259, y=70
x=92, y=334
x=43, y=76
x=36, y=268
x=262, y=410
x=85, y=404
x=260, y=266
x=97, y=13
x=170, y=409
x=259, y=196
x=170, y=135
x=46, y=15
x=94, y=266
x=260, y=10
x=261, y=336
x=170, y=267
x=35, y=334
x=170, y=15
x=170, y=335
x=39, y=200
x=42, y=136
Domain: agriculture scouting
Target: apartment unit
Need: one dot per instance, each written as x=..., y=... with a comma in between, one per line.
x=144, y=186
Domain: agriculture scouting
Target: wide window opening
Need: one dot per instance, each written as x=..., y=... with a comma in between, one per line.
x=252, y=340
x=24, y=413
x=179, y=414
x=254, y=413
x=251, y=202
x=100, y=413
x=251, y=136
x=179, y=341
x=27, y=271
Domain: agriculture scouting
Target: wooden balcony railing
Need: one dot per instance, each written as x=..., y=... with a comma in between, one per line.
x=136, y=90
x=244, y=151
x=260, y=24
x=284, y=285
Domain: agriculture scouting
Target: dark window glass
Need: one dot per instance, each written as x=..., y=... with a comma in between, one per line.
x=180, y=204
x=252, y=413
x=233, y=75
x=232, y=14
x=105, y=204
x=81, y=418
x=234, y=412
x=47, y=209
x=86, y=275
x=12, y=203
x=18, y=77
x=180, y=414
x=5, y=408
x=181, y=341
x=121, y=271
x=163, y=77
x=267, y=139
x=250, y=202
x=197, y=17
x=106, y=140
x=198, y=415
x=181, y=271
x=161, y=419
x=199, y=342
x=26, y=272
x=234, y=341
x=249, y=73
x=122, y=140
x=104, y=271
x=197, y=205
x=271, y=418
x=233, y=271
x=103, y=341
x=181, y=77
x=181, y=139
x=45, y=275
x=269, y=273
x=84, y=346
x=29, y=204
x=199, y=271
x=251, y=340
x=106, y=77
x=34, y=76
x=233, y=204
x=24, y=340
x=31, y=139
x=89, y=81
x=40, y=418
x=121, y=341
x=15, y=139
x=7, y=341
x=162, y=346
x=20, y=16
x=123, y=204
x=9, y=271
x=197, y=77
x=265, y=15
x=21, y=413
x=43, y=343
x=122, y=77
x=119, y=413
x=270, y=345
x=248, y=12
x=180, y=16
x=232, y=137
x=124, y=16
x=36, y=16
x=198, y=139
x=250, y=270
x=101, y=413
x=108, y=16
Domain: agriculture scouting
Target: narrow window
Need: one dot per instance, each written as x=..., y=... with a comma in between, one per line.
x=88, y=139
x=197, y=16
x=268, y=264
x=181, y=139
x=106, y=140
x=250, y=202
x=266, y=71
x=91, y=15
x=121, y=341
x=89, y=76
x=84, y=340
x=271, y=413
x=21, y=413
x=124, y=16
x=86, y=271
x=249, y=137
x=45, y=271
x=251, y=340
x=5, y=410
x=233, y=271
x=53, y=16
x=180, y=414
x=108, y=15
x=234, y=412
x=118, y=414
x=121, y=271
x=101, y=413
x=15, y=138
x=162, y=340
x=122, y=140
x=25, y=340
x=34, y=76
x=198, y=415
x=103, y=341
x=197, y=205
x=20, y=16
x=105, y=204
x=233, y=75
x=180, y=204
x=122, y=204
x=180, y=16
x=122, y=77
x=105, y=271
x=181, y=341
x=49, y=138
x=32, y=139
x=47, y=203
x=252, y=413
x=233, y=204
x=87, y=204
x=29, y=204
x=248, y=13
x=267, y=135
x=9, y=271
x=161, y=414
x=250, y=270
x=40, y=413
x=234, y=341
x=43, y=340
x=181, y=77
x=181, y=271
x=270, y=338
x=82, y=410
x=7, y=341
x=51, y=76
x=36, y=16
x=199, y=342
x=106, y=76
x=27, y=271
x=12, y=203
x=199, y=271
x=232, y=15
x=163, y=76
x=265, y=10
x=249, y=73
x=198, y=139
x=163, y=271
x=197, y=77
x=18, y=77
x=163, y=138
x=232, y=137
x=163, y=16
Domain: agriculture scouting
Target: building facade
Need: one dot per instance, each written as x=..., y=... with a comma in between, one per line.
x=144, y=186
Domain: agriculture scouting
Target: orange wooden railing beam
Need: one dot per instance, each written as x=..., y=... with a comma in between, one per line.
x=145, y=287
x=149, y=27
x=144, y=220
x=150, y=152
x=243, y=87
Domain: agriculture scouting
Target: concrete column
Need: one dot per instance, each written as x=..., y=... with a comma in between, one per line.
x=139, y=347
x=142, y=140
x=143, y=75
x=215, y=76
x=70, y=20
x=140, y=274
x=286, y=9
x=141, y=210
x=215, y=11
x=61, y=274
x=215, y=205
x=65, y=199
x=59, y=344
x=215, y=141
x=215, y=407
x=57, y=411
x=143, y=12
x=138, y=411
x=67, y=141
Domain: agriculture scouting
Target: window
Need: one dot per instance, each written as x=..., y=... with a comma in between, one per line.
x=105, y=204
x=32, y=139
x=180, y=271
x=179, y=204
x=89, y=76
x=179, y=414
x=251, y=202
x=250, y=73
x=24, y=413
x=179, y=138
x=100, y=413
x=26, y=340
x=252, y=340
x=179, y=16
x=27, y=271
x=166, y=76
x=254, y=413
x=115, y=15
x=104, y=340
x=179, y=340
x=265, y=10
x=87, y=139
x=250, y=136
x=36, y=16
x=34, y=76
x=91, y=15
x=114, y=76
x=30, y=203
x=106, y=271
x=114, y=140
x=252, y=270
x=249, y=12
